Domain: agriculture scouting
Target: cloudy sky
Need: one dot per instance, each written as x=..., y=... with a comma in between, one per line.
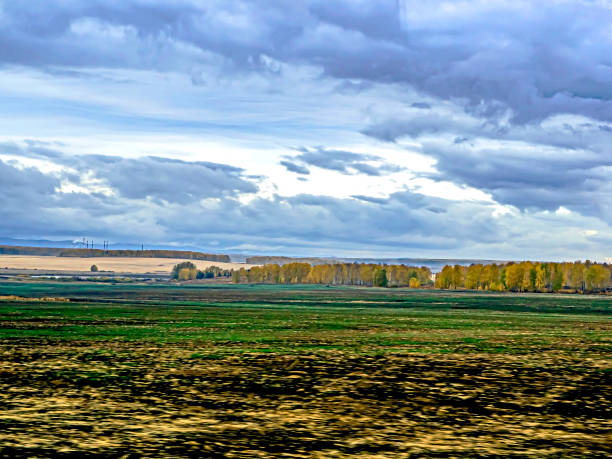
x=346, y=127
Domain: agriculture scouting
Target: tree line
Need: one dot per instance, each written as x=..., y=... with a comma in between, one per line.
x=184, y=254
x=367, y=274
x=188, y=271
x=527, y=276
x=64, y=252
x=524, y=276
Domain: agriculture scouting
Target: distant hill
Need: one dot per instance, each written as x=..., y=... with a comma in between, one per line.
x=280, y=260
x=64, y=252
x=434, y=264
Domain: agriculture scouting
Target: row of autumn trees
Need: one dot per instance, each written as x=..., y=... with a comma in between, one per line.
x=188, y=271
x=527, y=276
x=336, y=274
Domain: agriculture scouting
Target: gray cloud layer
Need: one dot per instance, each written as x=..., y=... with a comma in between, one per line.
x=301, y=218
x=511, y=98
x=150, y=177
x=522, y=57
x=36, y=204
x=344, y=162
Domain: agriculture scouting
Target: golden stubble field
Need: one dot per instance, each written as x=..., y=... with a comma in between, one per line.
x=116, y=264
x=158, y=400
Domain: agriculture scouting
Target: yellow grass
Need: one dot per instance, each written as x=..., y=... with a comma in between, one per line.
x=117, y=264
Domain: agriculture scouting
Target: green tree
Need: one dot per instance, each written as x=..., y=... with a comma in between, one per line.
x=380, y=277
x=93, y=269
x=557, y=281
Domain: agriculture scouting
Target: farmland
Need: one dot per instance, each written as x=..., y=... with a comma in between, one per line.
x=133, y=265
x=306, y=371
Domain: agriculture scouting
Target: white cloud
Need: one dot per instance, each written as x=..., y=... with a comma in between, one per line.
x=475, y=128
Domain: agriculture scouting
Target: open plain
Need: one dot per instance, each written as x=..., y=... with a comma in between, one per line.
x=131, y=265
x=301, y=371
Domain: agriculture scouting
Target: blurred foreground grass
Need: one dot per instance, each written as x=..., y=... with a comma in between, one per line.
x=243, y=371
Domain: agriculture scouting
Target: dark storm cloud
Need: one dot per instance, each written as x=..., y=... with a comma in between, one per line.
x=402, y=221
x=565, y=161
x=527, y=179
x=531, y=60
x=24, y=182
x=30, y=203
x=574, y=133
x=166, y=179
x=345, y=162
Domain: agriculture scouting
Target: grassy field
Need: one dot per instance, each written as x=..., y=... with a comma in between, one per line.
x=305, y=371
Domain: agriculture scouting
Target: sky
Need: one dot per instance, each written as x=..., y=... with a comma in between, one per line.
x=381, y=128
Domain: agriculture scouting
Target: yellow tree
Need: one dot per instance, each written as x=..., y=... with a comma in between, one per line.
x=472, y=278
x=354, y=274
x=540, y=282
x=424, y=274
x=514, y=277
x=577, y=276
x=597, y=277
x=366, y=271
x=528, y=280
x=255, y=274
x=340, y=274
x=187, y=273
x=457, y=277
x=316, y=274
x=444, y=278
x=489, y=277
x=272, y=273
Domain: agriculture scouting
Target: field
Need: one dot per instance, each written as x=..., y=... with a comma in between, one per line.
x=117, y=264
x=301, y=371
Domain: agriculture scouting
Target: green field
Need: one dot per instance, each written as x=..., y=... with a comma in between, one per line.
x=310, y=371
